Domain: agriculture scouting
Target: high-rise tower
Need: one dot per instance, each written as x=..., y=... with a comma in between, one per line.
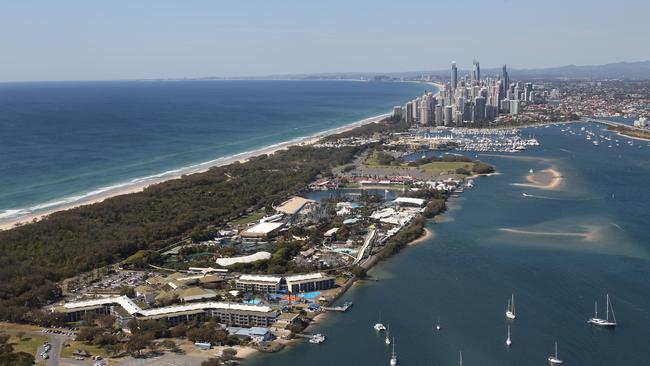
x=476, y=72
x=505, y=80
x=454, y=76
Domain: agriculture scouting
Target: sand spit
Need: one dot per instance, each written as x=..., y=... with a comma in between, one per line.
x=547, y=179
x=592, y=234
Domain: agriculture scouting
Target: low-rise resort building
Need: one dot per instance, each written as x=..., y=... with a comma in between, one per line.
x=296, y=283
x=123, y=307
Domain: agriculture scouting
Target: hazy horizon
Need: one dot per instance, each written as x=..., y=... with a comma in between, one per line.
x=78, y=40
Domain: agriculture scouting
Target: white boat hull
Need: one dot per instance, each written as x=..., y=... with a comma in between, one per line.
x=601, y=322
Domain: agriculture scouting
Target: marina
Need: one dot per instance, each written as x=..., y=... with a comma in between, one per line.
x=505, y=140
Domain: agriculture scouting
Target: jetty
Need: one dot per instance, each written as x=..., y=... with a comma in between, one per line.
x=341, y=308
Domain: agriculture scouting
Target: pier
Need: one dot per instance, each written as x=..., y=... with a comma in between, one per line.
x=341, y=308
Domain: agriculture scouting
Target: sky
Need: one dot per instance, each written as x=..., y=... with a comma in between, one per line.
x=135, y=39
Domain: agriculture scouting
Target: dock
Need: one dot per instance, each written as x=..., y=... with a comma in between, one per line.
x=340, y=308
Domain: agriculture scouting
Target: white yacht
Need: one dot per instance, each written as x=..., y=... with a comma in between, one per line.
x=393, y=358
x=510, y=311
x=554, y=359
x=438, y=324
x=379, y=326
x=603, y=322
x=508, y=340
x=531, y=171
x=387, y=339
x=317, y=338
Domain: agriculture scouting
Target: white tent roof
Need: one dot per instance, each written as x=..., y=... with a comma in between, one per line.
x=260, y=278
x=224, y=262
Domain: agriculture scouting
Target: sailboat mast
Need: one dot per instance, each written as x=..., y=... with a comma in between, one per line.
x=460, y=363
x=607, y=309
x=513, y=304
x=596, y=309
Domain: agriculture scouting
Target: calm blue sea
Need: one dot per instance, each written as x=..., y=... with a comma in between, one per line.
x=61, y=142
x=560, y=250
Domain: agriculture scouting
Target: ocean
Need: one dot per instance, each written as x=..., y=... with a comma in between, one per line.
x=557, y=250
x=66, y=142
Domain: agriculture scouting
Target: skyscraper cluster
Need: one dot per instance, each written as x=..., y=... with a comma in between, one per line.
x=470, y=100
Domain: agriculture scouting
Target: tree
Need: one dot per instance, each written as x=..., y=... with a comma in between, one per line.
x=136, y=344
x=113, y=349
x=87, y=334
x=169, y=344
x=10, y=358
x=178, y=331
x=211, y=362
x=106, y=321
x=359, y=271
x=228, y=355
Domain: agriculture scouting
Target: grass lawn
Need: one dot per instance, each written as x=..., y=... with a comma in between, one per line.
x=66, y=352
x=438, y=167
x=434, y=168
x=372, y=161
x=13, y=328
x=244, y=220
x=28, y=342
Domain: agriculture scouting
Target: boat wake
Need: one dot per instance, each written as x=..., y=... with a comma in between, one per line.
x=558, y=198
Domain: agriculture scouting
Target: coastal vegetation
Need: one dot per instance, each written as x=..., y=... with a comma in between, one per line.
x=398, y=242
x=66, y=243
x=631, y=132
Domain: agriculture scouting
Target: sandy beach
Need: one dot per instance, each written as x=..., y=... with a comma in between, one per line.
x=426, y=235
x=547, y=179
x=140, y=184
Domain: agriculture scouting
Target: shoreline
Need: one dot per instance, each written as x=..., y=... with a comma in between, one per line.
x=139, y=184
x=37, y=212
x=426, y=235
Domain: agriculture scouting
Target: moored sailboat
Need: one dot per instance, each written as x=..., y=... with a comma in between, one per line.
x=603, y=322
x=387, y=339
x=379, y=326
x=554, y=359
x=510, y=311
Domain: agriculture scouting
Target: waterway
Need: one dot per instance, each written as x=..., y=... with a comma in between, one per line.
x=557, y=250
